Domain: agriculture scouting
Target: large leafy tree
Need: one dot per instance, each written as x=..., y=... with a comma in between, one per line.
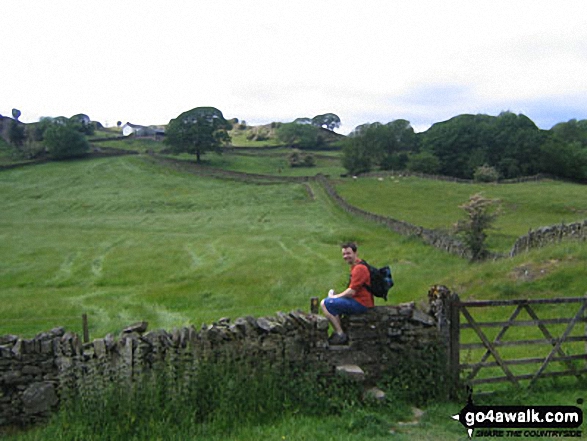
x=515, y=145
x=65, y=140
x=460, y=144
x=508, y=142
x=328, y=121
x=198, y=131
x=300, y=134
x=385, y=145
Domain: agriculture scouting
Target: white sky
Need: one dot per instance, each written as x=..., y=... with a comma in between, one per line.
x=269, y=60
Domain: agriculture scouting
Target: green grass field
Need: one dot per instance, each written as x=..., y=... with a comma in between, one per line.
x=124, y=239
x=435, y=204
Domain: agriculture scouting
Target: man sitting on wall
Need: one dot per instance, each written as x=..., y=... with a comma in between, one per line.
x=356, y=299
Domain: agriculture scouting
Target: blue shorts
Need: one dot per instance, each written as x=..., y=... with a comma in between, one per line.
x=344, y=305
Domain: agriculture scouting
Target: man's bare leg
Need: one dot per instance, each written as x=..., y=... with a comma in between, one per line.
x=333, y=319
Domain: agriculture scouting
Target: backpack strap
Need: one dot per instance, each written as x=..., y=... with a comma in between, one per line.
x=365, y=285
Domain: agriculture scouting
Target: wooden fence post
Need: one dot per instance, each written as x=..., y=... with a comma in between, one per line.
x=314, y=305
x=454, y=343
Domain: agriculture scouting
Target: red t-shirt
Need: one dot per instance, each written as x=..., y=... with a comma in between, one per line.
x=359, y=278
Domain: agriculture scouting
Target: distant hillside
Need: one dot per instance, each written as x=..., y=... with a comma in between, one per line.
x=265, y=135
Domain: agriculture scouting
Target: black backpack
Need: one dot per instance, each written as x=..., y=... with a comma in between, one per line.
x=381, y=280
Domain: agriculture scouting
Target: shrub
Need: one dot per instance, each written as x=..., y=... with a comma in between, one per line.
x=481, y=214
x=424, y=162
x=486, y=173
x=298, y=158
x=16, y=133
x=65, y=141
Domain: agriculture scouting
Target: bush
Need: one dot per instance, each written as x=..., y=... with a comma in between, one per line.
x=424, y=162
x=486, y=173
x=64, y=141
x=481, y=214
x=16, y=133
x=301, y=159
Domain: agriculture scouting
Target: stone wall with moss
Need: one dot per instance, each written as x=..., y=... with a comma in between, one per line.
x=35, y=372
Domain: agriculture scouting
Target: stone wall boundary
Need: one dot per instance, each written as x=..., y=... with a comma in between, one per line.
x=435, y=238
x=37, y=374
x=553, y=234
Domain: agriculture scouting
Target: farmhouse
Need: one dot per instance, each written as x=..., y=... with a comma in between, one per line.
x=137, y=130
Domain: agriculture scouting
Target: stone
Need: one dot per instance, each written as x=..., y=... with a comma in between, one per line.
x=57, y=332
x=269, y=325
x=99, y=348
x=8, y=339
x=31, y=370
x=63, y=363
x=421, y=317
x=11, y=377
x=17, y=349
x=352, y=371
x=139, y=327
x=39, y=397
x=374, y=394
x=243, y=325
x=322, y=323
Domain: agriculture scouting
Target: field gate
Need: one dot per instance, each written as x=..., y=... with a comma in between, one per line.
x=464, y=315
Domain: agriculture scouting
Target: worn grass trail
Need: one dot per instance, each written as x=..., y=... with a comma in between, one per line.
x=123, y=240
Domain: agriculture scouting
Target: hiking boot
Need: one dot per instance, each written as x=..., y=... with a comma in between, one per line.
x=338, y=339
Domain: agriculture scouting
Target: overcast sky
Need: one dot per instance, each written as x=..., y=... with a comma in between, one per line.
x=267, y=60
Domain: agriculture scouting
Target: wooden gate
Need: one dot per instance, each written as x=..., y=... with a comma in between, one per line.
x=462, y=316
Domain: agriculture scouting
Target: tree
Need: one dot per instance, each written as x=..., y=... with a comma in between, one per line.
x=16, y=133
x=64, y=141
x=355, y=157
x=424, y=162
x=385, y=145
x=567, y=160
x=329, y=121
x=571, y=131
x=481, y=214
x=303, y=120
x=300, y=135
x=198, y=131
x=508, y=142
x=16, y=114
x=453, y=142
x=84, y=123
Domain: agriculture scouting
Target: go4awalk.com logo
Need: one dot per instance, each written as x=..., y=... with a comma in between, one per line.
x=520, y=421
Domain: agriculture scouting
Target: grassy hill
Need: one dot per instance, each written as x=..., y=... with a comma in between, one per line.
x=267, y=135
x=124, y=240
x=127, y=238
x=435, y=204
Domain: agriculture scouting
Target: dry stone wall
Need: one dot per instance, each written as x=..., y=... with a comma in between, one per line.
x=35, y=372
x=435, y=238
x=549, y=235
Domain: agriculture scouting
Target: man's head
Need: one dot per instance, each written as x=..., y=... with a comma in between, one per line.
x=349, y=252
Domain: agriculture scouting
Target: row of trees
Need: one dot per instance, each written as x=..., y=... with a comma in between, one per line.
x=58, y=138
x=508, y=145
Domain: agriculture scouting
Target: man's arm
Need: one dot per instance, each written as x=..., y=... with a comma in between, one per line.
x=349, y=292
